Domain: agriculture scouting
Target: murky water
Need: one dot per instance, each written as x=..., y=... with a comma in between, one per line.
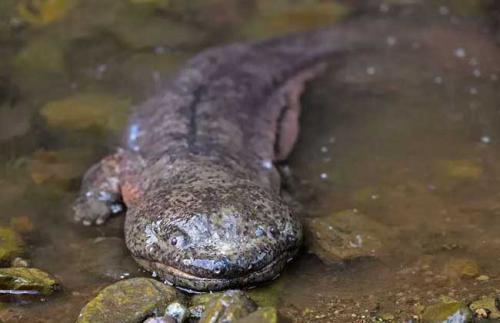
x=407, y=135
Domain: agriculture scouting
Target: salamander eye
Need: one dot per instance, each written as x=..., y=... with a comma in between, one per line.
x=273, y=231
x=178, y=239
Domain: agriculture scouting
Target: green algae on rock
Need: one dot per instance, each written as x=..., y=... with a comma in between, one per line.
x=31, y=281
x=262, y=315
x=268, y=295
x=457, y=268
x=11, y=244
x=279, y=17
x=228, y=307
x=43, y=12
x=83, y=111
x=129, y=301
x=345, y=235
x=448, y=311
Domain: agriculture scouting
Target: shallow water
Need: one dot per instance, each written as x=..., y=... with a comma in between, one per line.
x=407, y=135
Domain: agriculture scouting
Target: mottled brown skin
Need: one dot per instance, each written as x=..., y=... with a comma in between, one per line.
x=196, y=170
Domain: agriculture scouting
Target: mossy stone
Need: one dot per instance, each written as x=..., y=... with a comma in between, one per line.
x=129, y=301
x=11, y=244
x=228, y=307
x=28, y=279
x=447, y=312
x=262, y=315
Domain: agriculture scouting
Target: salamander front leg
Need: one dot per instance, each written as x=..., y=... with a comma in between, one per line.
x=100, y=195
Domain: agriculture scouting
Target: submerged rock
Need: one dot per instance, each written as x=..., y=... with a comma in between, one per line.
x=129, y=301
x=58, y=167
x=43, y=12
x=457, y=268
x=447, y=312
x=87, y=110
x=11, y=244
x=262, y=315
x=268, y=295
x=345, y=235
x=228, y=307
x=14, y=122
x=486, y=308
x=28, y=282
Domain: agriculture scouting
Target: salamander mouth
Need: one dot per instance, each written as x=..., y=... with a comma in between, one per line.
x=192, y=283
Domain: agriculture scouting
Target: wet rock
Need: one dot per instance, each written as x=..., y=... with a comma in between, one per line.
x=177, y=311
x=105, y=258
x=458, y=268
x=11, y=244
x=486, y=308
x=448, y=311
x=199, y=302
x=43, y=12
x=83, y=111
x=129, y=301
x=228, y=307
x=345, y=235
x=27, y=282
x=262, y=315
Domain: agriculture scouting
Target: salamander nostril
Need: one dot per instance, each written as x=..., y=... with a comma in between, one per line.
x=219, y=268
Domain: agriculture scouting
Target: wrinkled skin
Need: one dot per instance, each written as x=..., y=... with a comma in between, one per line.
x=196, y=170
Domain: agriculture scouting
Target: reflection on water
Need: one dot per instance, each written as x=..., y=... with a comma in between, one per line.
x=406, y=136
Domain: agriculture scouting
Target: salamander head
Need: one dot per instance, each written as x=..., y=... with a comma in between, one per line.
x=212, y=233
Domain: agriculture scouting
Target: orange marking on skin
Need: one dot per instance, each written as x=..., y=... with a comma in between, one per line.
x=130, y=193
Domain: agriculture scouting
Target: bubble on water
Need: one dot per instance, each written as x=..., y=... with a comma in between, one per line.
x=332, y=140
x=158, y=50
x=374, y=197
x=100, y=70
x=459, y=52
x=438, y=80
x=324, y=149
x=384, y=7
x=391, y=40
x=477, y=72
x=323, y=176
x=473, y=91
x=485, y=139
x=443, y=10
x=473, y=62
x=370, y=70
x=267, y=164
